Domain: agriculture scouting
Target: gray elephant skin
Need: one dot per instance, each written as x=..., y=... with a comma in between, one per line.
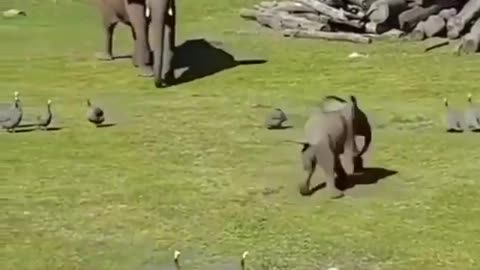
x=330, y=134
x=153, y=34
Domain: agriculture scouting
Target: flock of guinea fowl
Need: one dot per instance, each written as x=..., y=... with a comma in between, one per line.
x=456, y=120
x=12, y=117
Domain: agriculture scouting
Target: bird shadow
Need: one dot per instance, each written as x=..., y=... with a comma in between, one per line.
x=451, y=130
x=367, y=176
x=106, y=125
x=203, y=59
x=122, y=56
x=54, y=128
x=281, y=127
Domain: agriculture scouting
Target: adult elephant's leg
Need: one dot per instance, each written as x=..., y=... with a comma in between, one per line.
x=158, y=10
x=134, y=55
x=109, y=22
x=136, y=14
x=167, y=72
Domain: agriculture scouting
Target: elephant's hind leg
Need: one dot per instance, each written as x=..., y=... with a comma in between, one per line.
x=327, y=160
x=109, y=24
x=341, y=179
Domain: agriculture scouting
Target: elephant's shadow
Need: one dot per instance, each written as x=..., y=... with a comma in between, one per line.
x=367, y=176
x=201, y=59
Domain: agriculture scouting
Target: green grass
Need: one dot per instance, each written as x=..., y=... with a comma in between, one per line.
x=190, y=167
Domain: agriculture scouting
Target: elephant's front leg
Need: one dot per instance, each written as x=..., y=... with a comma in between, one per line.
x=169, y=44
x=159, y=13
x=309, y=164
x=138, y=20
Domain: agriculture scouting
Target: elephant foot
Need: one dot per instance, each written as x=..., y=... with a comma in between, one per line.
x=168, y=81
x=145, y=71
x=104, y=56
x=304, y=190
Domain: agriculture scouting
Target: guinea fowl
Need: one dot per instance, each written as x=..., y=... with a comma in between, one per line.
x=94, y=114
x=454, y=119
x=43, y=123
x=275, y=119
x=242, y=261
x=13, y=116
x=472, y=115
x=176, y=254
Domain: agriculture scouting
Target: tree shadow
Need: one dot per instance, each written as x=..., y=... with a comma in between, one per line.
x=367, y=176
x=202, y=59
x=106, y=125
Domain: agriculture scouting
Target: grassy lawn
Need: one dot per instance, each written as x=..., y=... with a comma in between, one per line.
x=191, y=167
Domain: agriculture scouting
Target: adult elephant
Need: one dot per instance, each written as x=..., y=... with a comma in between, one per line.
x=162, y=39
x=153, y=29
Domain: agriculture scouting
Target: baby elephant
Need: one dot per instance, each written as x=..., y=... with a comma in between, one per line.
x=330, y=134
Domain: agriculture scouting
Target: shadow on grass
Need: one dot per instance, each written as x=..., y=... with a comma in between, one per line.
x=106, y=125
x=54, y=128
x=367, y=176
x=24, y=130
x=280, y=127
x=27, y=125
x=451, y=130
x=122, y=56
x=202, y=59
